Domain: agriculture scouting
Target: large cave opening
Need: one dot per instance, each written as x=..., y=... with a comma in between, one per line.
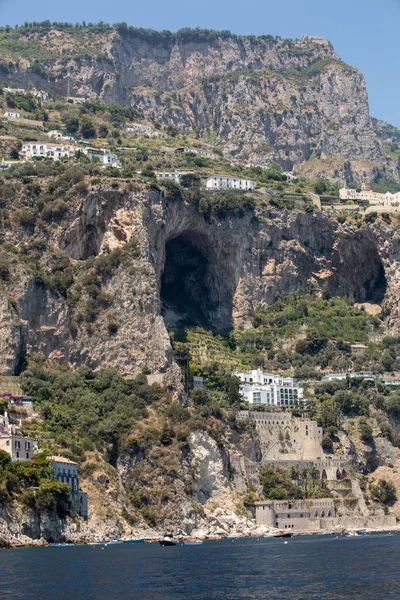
x=359, y=271
x=193, y=289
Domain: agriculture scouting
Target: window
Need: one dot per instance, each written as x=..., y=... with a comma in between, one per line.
x=17, y=454
x=27, y=445
x=17, y=444
x=27, y=455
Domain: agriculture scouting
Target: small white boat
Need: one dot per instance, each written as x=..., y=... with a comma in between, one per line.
x=192, y=542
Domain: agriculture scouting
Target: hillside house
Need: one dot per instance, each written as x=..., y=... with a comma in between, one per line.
x=105, y=157
x=230, y=182
x=175, y=175
x=14, y=443
x=47, y=150
x=66, y=471
x=11, y=114
x=42, y=95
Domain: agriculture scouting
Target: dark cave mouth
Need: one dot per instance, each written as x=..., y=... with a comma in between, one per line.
x=375, y=287
x=188, y=286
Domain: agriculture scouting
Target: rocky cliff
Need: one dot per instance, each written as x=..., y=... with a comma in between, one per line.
x=259, y=99
x=175, y=266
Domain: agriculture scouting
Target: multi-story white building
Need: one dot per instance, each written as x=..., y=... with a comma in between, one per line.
x=47, y=150
x=66, y=471
x=257, y=387
x=230, y=182
x=105, y=157
x=374, y=198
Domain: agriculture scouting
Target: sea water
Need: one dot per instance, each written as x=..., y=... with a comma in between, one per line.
x=301, y=568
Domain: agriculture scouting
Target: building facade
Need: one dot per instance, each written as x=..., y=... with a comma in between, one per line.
x=66, y=471
x=257, y=387
x=366, y=375
x=374, y=198
x=230, y=182
x=105, y=157
x=47, y=150
x=175, y=175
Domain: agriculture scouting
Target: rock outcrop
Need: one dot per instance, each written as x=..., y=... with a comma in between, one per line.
x=188, y=270
x=261, y=99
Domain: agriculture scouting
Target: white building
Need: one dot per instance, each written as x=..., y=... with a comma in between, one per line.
x=59, y=135
x=290, y=176
x=366, y=375
x=204, y=153
x=66, y=471
x=56, y=134
x=230, y=182
x=77, y=100
x=16, y=445
x=41, y=94
x=14, y=90
x=12, y=114
x=175, y=175
x=257, y=387
x=105, y=157
x=47, y=150
x=139, y=129
x=373, y=198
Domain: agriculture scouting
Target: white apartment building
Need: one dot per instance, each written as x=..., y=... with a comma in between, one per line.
x=230, y=182
x=175, y=175
x=257, y=387
x=373, y=198
x=47, y=150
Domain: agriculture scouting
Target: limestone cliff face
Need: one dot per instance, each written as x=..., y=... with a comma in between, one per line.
x=188, y=270
x=260, y=99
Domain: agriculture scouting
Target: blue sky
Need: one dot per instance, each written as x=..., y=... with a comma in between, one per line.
x=363, y=32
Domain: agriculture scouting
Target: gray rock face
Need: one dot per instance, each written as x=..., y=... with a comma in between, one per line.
x=219, y=271
x=261, y=99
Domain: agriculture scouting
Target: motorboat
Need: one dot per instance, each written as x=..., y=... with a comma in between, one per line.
x=134, y=541
x=167, y=540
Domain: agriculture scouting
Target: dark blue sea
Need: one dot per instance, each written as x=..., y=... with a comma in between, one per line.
x=321, y=567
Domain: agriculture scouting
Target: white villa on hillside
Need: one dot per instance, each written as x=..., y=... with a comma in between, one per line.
x=105, y=157
x=373, y=198
x=47, y=150
x=175, y=175
x=14, y=443
x=229, y=182
x=11, y=114
x=257, y=387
